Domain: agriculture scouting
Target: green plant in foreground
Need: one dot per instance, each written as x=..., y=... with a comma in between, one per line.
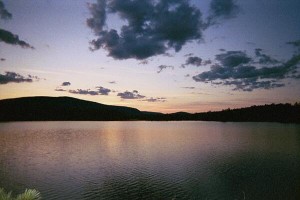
x=29, y=194
x=4, y=195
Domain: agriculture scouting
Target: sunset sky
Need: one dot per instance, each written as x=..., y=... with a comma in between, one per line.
x=154, y=55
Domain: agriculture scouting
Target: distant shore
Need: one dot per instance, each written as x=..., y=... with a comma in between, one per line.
x=72, y=109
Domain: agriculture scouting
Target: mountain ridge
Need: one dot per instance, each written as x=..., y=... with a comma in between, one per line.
x=43, y=108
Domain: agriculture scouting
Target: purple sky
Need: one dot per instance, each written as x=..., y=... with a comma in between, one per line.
x=166, y=56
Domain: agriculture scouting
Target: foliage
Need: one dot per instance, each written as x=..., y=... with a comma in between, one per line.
x=29, y=194
x=4, y=195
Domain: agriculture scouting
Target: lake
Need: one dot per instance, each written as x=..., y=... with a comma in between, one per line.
x=151, y=160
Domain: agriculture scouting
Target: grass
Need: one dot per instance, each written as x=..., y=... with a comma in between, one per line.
x=29, y=194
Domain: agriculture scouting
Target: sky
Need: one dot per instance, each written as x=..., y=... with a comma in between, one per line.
x=155, y=55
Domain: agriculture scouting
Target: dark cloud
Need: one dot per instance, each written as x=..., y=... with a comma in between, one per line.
x=252, y=84
x=98, y=12
x=60, y=90
x=220, y=10
x=191, y=88
x=103, y=91
x=7, y=36
x=130, y=95
x=34, y=77
x=235, y=68
x=162, y=67
x=152, y=27
x=295, y=76
x=233, y=58
x=100, y=91
x=265, y=59
x=10, y=38
x=66, y=84
x=2, y=59
x=144, y=62
x=193, y=60
x=135, y=95
x=295, y=43
x=4, y=14
x=206, y=62
x=157, y=99
x=12, y=77
x=84, y=92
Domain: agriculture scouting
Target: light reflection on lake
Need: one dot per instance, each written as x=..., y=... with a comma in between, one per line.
x=151, y=160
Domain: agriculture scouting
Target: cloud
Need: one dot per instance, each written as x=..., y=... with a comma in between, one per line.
x=191, y=88
x=206, y=62
x=130, y=95
x=220, y=10
x=157, y=99
x=98, y=12
x=144, y=62
x=263, y=58
x=84, y=92
x=233, y=58
x=4, y=14
x=168, y=55
x=193, y=60
x=10, y=38
x=237, y=69
x=152, y=27
x=100, y=91
x=162, y=67
x=294, y=43
x=12, y=77
x=251, y=84
x=7, y=36
x=135, y=95
x=103, y=91
x=66, y=84
x=60, y=90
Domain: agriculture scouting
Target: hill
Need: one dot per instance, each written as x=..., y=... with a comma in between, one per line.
x=62, y=109
x=72, y=109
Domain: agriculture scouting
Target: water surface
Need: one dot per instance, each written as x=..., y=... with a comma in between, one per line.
x=151, y=160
